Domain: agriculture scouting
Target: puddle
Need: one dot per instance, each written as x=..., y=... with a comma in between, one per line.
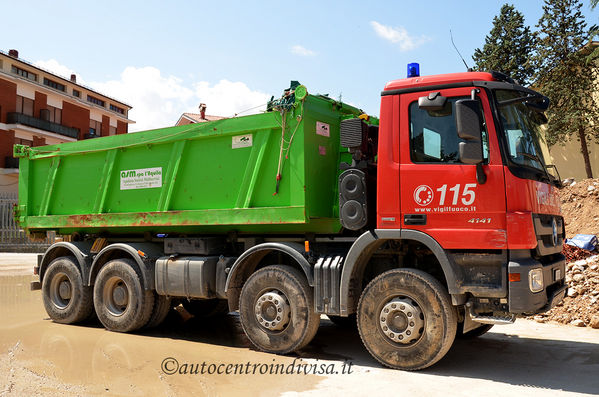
x=38, y=354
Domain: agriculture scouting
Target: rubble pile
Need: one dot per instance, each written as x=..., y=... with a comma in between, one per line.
x=580, y=208
x=581, y=305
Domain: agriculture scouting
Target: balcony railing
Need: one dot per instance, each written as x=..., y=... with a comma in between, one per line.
x=19, y=118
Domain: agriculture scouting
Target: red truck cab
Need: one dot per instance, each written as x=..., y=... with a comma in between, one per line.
x=501, y=229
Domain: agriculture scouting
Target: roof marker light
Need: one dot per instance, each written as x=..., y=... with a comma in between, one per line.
x=413, y=69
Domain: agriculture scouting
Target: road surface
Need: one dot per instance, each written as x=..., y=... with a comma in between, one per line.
x=213, y=358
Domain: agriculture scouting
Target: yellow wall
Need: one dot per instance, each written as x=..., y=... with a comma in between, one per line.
x=569, y=160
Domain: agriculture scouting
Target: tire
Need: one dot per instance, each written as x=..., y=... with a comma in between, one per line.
x=122, y=304
x=423, y=320
x=206, y=307
x=162, y=306
x=65, y=298
x=348, y=322
x=294, y=325
x=473, y=333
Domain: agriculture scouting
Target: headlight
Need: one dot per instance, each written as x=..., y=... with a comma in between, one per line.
x=535, y=280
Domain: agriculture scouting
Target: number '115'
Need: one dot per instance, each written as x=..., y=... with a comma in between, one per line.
x=468, y=195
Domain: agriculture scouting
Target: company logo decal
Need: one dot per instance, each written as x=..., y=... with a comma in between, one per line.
x=142, y=178
x=423, y=195
x=456, y=198
x=241, y=141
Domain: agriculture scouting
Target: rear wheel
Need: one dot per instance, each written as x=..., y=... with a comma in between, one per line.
x=162, y=306
x=65, y=298
x=277, y=310
x=122, y=304
x=406, y=320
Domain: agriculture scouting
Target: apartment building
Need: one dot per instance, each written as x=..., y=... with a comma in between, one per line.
x=38, y=107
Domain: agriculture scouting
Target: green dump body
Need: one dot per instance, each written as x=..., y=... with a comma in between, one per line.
x=213, y=177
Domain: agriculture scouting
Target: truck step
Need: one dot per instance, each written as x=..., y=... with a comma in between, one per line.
x=496, y=320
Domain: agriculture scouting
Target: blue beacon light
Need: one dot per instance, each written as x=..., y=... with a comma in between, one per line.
x=413, y=69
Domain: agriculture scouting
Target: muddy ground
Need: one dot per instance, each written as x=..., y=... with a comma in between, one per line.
x=39, y=357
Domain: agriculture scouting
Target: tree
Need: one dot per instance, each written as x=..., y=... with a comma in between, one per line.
x=567, y=75
x=508, y=46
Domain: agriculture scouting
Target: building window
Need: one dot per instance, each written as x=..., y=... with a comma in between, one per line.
x=55, y=115
x=117, y=109
x=95, y=128
x=54, y=84
x=24, y=73
x=24, y=105
x=76, y=93
x=95, y=100
x=26, y=142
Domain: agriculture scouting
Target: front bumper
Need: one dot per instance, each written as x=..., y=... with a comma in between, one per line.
x=521, y=298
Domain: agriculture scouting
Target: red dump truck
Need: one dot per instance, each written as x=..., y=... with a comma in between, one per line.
x=439, y=218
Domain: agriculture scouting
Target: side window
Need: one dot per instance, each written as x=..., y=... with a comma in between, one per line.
x=433, y=135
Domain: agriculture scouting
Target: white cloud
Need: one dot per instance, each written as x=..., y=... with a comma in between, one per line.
x=52, y=65
x=226, y=98
x=302, y=51
x=398, y=35
x=158, y=100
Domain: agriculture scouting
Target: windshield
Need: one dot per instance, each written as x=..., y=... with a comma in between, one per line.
x=523, y=130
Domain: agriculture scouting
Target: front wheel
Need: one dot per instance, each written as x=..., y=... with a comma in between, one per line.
x=277, y=310
x=406, y=319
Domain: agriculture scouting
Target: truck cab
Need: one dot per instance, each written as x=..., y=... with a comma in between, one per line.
x=498, y=216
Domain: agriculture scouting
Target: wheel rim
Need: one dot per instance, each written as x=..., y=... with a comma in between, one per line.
x=272, y=310
x=116, y=296
x=61, y=290
x=401, y=320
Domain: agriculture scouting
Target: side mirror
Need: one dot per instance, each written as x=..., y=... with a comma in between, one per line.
x=468, y=126
x=471, y=152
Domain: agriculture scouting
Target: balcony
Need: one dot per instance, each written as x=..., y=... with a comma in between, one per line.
x=19, y=118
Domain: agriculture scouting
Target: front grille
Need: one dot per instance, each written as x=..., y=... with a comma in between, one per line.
x=547, y=242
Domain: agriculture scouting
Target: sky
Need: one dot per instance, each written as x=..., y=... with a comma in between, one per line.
x=165, y=58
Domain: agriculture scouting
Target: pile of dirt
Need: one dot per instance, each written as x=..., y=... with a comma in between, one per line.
x=580, y=208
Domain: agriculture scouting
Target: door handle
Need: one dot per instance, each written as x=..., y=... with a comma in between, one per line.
x=414, y=219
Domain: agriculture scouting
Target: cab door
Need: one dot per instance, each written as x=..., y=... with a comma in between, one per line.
x=439, y=194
